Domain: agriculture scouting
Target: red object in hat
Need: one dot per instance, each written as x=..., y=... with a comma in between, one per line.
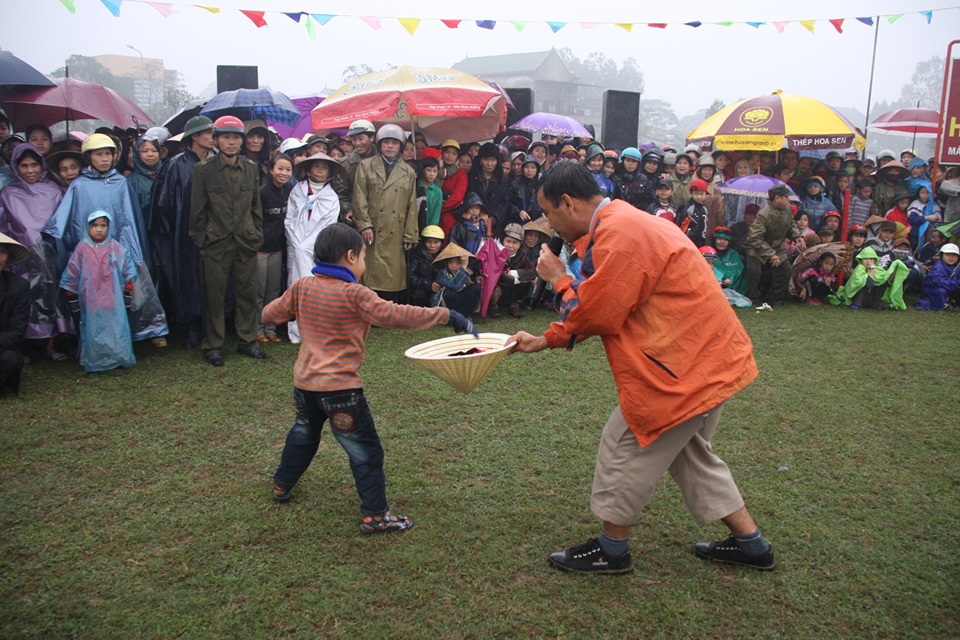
x=430, y=152
x=698, y=185
x=708, y=252
x=751, y=208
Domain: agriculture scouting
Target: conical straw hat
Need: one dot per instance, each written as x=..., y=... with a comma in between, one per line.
x=452, y=250
x=463, y=373
x=17, y=252
x=541, y=224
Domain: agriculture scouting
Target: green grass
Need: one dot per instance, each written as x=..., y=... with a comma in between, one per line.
x=136, y=504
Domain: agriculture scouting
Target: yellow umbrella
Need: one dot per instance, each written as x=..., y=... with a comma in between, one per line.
x=772, y=122
x=442, y=103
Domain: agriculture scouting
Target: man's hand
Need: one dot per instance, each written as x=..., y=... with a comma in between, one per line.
x=800, y=243
x=527, y=343
x=549, y=266
x=367, y=235
x=408, y=245
x=435, y=286
x=524, y=216
x=775, y=261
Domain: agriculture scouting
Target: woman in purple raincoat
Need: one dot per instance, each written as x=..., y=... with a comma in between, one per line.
x=26, y=206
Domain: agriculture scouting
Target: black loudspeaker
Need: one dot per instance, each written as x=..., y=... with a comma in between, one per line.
x=621, y=117
x=231, y=77
x=522, y=104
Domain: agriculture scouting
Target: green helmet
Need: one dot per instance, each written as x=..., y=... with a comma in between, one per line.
x=197, y=124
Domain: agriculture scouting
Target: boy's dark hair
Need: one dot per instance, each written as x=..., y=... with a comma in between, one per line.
x=863, y=182
x=335, y=241
x=570, y=178
x=887, y=225
x=425, y=163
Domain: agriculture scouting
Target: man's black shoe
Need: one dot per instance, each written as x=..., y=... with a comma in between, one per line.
x=590, y=558
x=253, y=352
x=214, y=357
x=729, y=551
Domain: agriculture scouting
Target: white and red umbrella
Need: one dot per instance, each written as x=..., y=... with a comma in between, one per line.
x=442, y=103
x=913, y=121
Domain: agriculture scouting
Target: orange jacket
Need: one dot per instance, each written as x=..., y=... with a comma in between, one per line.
x=675, y=346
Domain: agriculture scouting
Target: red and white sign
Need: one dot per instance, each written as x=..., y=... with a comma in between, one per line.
x=950, y=135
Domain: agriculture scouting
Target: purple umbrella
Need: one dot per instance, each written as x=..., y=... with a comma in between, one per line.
x=303, y=126
x=551, y=124
x=739, y=192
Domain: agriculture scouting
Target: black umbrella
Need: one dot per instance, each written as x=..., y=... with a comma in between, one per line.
x=15, y=72
x=178, y=121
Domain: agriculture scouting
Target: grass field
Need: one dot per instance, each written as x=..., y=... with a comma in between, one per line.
x=136, y=504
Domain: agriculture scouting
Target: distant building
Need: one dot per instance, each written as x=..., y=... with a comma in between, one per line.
x=555, y=88
x=150, y=80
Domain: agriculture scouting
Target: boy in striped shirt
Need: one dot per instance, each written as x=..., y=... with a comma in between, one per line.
x=334, y=314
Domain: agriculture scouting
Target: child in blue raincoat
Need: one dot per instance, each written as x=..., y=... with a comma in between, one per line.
x=99, y=284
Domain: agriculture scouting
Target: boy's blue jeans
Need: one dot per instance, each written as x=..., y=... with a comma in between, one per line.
x=352, y=425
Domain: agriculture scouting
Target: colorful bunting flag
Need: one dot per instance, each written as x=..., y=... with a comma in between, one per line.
x=626, y=26
x=373, y=22
x=451, y=24
x=808, y=24
x=590, y=25
x=694, y=24
x=725, y=23
x=295, y=16
x=256, y=17
x=779, y=26
x=486, y=24
x=113, y=6
x=519, y=25
x=410, y=24
x=72, y=8
x=756, y=25
x=656, y=25
x=866, y=21
x=164, y=8
x=322, y=18
x=556, y=26
x=837, y=24
x=928, y=15
x=311, y=30
x=894, y=17
x=210, y=9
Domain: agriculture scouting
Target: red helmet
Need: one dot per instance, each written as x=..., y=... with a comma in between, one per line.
x=229, y=124
x=708, y=252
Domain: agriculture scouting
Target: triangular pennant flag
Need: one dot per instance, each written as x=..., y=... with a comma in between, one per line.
x=866, y=21
x=519, y=25
x=373, y=22
x=210, y=9
x=756, y=25
x=626, y=26
x=311, y=30
x=837, y=24
x=928, y=15
x=295, y=16
x=256, y=17
x=725, y=23
x=556, y=26
x=69, y=5
x=808, y=24
x=164, y=9
x=694, y=24
x=486, y=24
x=322, y=18
x=590, y=25
x=891, y=18
x=780, y=26
x=451, y=24
x=657, y=25
x=113, y=6
x=410, y=24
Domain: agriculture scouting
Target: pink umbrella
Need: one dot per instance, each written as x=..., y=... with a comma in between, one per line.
x=492, y=258
x=303, y=126
x=914, y=121
x=72, y=100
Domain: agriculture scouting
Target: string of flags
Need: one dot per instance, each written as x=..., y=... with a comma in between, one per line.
x=312, y=20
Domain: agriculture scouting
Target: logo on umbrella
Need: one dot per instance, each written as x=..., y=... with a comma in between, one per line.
x=756, y=117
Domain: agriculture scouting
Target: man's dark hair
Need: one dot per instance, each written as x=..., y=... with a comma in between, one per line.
x=570, y=178
x=335, y=241
x=428, y=162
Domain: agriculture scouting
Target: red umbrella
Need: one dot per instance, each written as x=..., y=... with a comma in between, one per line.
x=914, y=121
x=71, y=100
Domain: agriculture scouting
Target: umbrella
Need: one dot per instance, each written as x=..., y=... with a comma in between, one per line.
x=551, y=124
x=248, y=104
x=70, y=100
x=178, y=121
x=809, y=256
x=769, y=123
x=739, y=192
x=919, y=122
x=303, y=126
x=492, y=258
x=15, y=72
x=442, y=103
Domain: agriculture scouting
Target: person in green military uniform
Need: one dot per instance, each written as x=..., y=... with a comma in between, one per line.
x=766, y=247
x=226, y=223
x=385, y=212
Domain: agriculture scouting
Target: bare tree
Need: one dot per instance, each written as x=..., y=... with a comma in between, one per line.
x=926, y=84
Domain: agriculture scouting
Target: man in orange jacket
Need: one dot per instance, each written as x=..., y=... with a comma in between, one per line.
x=677, y=352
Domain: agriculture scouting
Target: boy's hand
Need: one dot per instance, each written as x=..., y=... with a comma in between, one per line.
x=461, y=324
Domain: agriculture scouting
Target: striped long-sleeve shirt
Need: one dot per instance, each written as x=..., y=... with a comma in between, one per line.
x=334, y=318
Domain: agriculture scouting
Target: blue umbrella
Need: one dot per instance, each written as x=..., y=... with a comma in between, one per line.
x=16, y=72
x=248, y=104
